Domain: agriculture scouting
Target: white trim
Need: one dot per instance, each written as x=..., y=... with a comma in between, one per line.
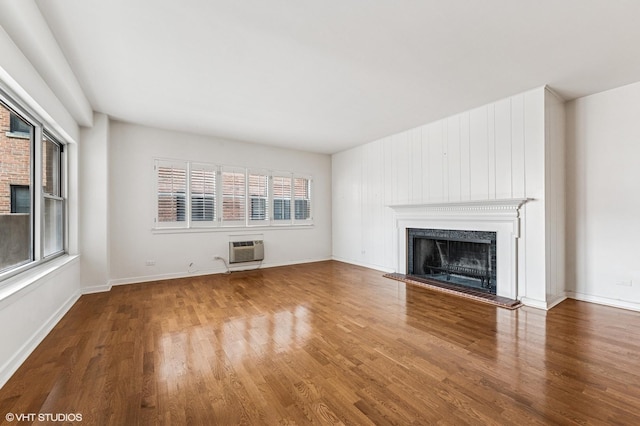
x=96, y=289
x=32, y=278
x=11, y=366
x=499, y=204
x=615, y=303
x=534, y=303
x=539, y=304
x=500, y=216
x=364, y=265
x=211, y=271
x=249, y=228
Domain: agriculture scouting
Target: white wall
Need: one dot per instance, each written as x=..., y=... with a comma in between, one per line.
x=603, y=197
x=19, y=76
x=33, y=302
x=94, y=193
x=555, y=205
x=493, y=152
x=132, y=150
x=29, y=314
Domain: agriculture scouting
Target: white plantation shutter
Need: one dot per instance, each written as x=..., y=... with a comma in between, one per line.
x=203, y=194
x=302, y=199
x=258, y=198
x=171, y=180
x=233, y=196
x=281, y=190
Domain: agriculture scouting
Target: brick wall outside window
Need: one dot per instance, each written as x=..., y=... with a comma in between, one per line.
x=15, y=159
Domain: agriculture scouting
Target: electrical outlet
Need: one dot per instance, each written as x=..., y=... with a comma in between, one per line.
x=150, y=262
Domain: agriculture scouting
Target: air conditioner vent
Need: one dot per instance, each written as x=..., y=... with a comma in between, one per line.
x=246, y=251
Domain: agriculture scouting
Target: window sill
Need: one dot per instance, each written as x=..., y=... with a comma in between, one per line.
x=32, y=276
x=17, y=135
x=230, y=229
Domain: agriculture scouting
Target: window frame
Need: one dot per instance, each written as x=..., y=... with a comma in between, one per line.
x=36, y=190
x=60, y=197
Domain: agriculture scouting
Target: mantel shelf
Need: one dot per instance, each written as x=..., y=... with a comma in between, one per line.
x=500, y=204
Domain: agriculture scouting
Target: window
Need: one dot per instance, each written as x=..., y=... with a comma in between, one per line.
x=172, y=193
x=20, y=199
x=259, y=197
x=302, y=197
x=16, y=209
x=32, y=215
x=233, y=195
x=18, y=126
x=201, y=195
x=53, y=229
x=281, y=198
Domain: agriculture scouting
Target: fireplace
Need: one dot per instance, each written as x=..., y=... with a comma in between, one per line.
x=461, y=257
x=497, y=221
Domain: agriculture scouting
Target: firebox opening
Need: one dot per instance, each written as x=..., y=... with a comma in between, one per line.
x=466, y=258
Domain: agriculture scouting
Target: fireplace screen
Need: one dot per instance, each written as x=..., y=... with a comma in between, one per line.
x=465, y=258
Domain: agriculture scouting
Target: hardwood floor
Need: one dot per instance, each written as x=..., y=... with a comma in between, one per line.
x=328, y=343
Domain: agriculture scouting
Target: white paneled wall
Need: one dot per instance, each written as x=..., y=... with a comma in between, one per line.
x=493, y=152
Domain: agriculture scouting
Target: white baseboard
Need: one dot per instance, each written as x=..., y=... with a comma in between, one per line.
x=616, y=303
x=96, y=289
x=559, y=299
x=534, y=303
x=541, y=304
x=218, y=270
x=12, y=365
x=364, y=265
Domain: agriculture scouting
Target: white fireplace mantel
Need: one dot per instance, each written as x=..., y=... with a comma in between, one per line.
x=500, y=216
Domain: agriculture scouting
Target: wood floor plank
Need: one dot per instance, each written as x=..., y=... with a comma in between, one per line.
x=328, y=343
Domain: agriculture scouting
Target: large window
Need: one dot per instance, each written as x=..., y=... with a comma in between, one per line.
x=228, y=196
x=32, y=199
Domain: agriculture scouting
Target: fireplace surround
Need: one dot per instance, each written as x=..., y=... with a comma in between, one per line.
x=501, y=217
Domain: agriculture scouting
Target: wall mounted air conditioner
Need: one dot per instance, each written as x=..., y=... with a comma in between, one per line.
x=246, y=251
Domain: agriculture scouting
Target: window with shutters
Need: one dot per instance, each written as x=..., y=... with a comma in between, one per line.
x=258, y=184
x=281, y=198
x=302, y=198
x=203, y=194
x=233, y=196
x=171, y=193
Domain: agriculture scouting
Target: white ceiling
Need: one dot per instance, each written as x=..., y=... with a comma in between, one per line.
x=327, y=75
